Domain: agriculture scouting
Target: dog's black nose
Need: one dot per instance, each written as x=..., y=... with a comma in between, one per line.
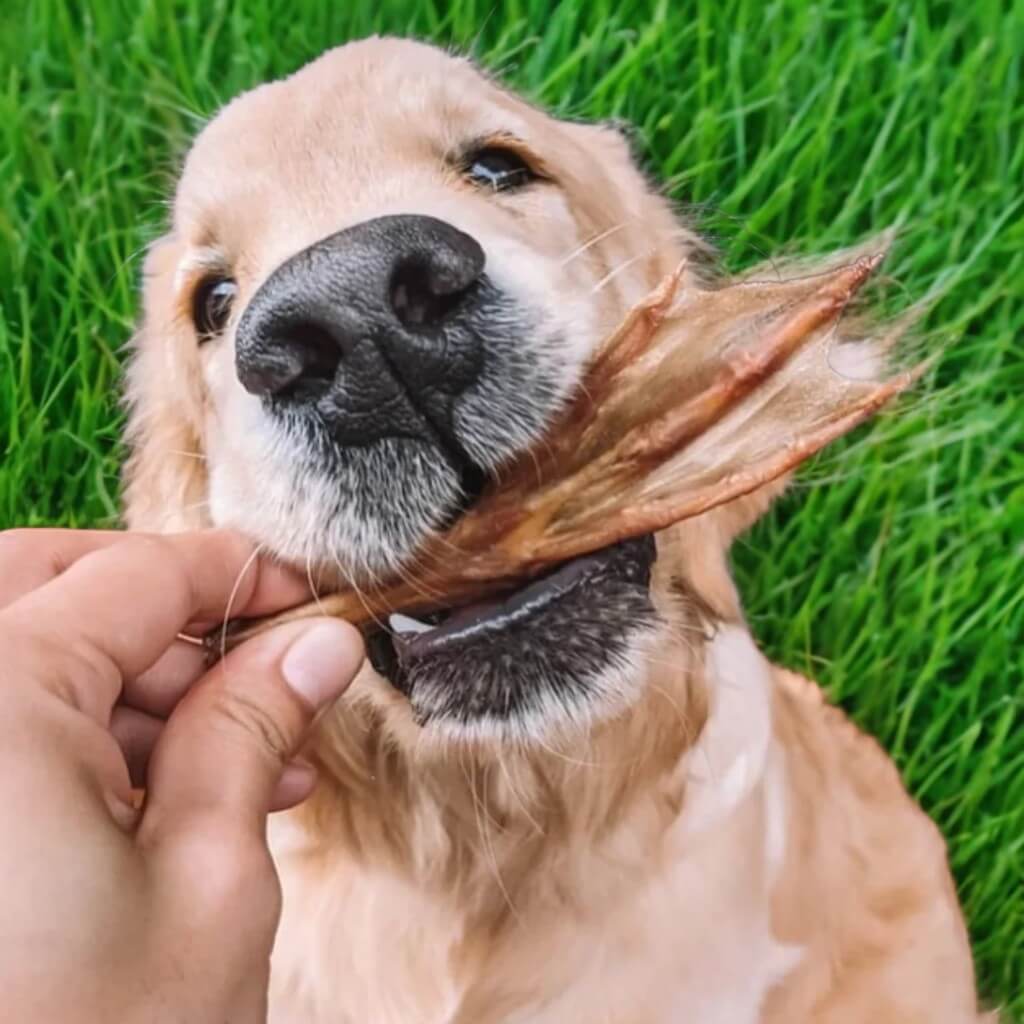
x=372, y=326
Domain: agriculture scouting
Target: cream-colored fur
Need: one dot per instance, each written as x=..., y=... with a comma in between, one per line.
x=725, y=847
x=614, y=950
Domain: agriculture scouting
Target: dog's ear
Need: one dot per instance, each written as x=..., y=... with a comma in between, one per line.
x=164, y=480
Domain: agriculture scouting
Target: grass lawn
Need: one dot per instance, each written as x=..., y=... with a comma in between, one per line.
x=894, y=571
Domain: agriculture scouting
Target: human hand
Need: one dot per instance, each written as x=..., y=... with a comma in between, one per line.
x=168, y=913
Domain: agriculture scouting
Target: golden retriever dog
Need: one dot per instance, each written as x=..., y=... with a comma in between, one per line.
x=591, y=802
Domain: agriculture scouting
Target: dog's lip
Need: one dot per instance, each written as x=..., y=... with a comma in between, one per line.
x=411, y=638
x=483, y=616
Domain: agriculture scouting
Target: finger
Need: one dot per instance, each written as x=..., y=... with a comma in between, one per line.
x=296, y=783
x=224, y=748
x=136, y=734
x=31, y=557
x=116, y=610
x=158, y=690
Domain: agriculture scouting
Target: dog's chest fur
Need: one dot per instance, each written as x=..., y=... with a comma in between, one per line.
x=680, y=933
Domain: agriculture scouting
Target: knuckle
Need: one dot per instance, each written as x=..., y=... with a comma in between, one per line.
x=242, y=712
x=156, y=550
x=149, y=546
x=62, y=665
x=234, y=546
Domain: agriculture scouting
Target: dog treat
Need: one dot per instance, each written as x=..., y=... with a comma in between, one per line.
x=704, y=393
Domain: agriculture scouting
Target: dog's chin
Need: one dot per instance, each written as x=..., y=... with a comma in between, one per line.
x=543, y=658
x=547, y=658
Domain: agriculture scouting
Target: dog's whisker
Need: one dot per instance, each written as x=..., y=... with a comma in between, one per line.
x=357, y=590
x=591, y=242
x=314, y=589
x=249, y=562
x=416, y=580
x=195, y=505
x=612, y=274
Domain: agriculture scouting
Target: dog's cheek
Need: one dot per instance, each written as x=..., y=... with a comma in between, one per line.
x=217, y=359
x=539, y=332
x=165, y=473
x=555, y=287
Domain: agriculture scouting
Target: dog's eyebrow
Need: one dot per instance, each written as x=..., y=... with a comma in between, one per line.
x=206, y=257
x=510, y=140
x=498, y=137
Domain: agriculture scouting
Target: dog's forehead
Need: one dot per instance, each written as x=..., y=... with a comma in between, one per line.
x=364, y=111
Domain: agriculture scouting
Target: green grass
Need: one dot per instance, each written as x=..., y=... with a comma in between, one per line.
x=893, y=572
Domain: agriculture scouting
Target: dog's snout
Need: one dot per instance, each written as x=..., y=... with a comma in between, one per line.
x=424, y=291
x=371, y=326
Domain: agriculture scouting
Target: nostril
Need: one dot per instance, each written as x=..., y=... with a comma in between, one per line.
x=319, y=350
x=367, y=312
x=319, y=355
x=293, y=363
x=421, y=297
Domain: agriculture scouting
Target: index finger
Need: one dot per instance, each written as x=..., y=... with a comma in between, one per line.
x=31, y=556
x=118, y=608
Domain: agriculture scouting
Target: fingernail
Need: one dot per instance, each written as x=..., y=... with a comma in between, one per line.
x=320, y=664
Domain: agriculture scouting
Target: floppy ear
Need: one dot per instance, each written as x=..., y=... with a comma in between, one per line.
x=164, y=479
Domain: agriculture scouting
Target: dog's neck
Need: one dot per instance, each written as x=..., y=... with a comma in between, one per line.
x=482, y=825
x=458, y=818
x=454, y=868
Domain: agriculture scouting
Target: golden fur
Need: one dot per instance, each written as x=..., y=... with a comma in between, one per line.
x=727, y=848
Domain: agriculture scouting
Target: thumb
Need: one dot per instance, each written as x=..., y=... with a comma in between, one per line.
x=226, y=745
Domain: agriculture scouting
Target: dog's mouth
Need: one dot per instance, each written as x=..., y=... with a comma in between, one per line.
x=493, y=657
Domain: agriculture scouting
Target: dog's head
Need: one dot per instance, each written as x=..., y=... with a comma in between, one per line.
x=384, y=277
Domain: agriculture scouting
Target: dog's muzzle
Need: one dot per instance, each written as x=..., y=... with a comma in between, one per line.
x=371, y=328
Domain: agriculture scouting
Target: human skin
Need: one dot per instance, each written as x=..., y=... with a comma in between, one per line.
x=165, y=911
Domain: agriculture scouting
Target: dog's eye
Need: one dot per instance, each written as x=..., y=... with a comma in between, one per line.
x=211, y=306
x=499, y=169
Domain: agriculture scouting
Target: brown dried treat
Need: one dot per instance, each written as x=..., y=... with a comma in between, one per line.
x=703, y=394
